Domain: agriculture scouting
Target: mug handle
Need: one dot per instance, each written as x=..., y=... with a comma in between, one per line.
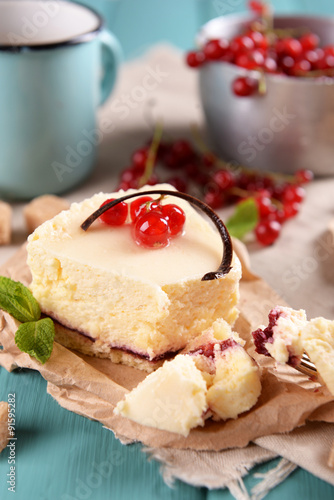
x=111, y=58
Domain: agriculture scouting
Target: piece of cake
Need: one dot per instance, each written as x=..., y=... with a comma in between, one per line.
x=173, y=398
x=43, y=208
x=236, y=385
x=121, y=300
x=214, y=377
x=232, y=376
x=4, y=434
x=318, y=342
x=289, y=334
x=282, y=338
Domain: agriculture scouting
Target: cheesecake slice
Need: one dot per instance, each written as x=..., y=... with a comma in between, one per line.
x=113, y=298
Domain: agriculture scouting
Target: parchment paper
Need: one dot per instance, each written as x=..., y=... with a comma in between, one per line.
x=92, y=387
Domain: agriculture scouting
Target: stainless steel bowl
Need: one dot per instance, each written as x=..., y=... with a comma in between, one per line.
x=289, y=128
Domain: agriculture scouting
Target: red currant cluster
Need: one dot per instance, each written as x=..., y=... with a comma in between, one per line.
x=276, y=200
x=269, y=51
x=277, y=197
x=154, y=224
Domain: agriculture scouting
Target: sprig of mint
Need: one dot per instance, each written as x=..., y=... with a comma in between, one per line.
x=244, y=219
x=34, y=336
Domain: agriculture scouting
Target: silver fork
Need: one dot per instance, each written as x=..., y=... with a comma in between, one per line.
x=307, y=367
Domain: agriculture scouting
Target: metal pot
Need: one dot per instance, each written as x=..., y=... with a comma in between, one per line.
x=289, y=128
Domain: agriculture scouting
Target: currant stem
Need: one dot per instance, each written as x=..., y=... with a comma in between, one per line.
x=152, y=153
x=226, y=262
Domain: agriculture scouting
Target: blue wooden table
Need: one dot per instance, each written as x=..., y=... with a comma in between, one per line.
x=61, y=455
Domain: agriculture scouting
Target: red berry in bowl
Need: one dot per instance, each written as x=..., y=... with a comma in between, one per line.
x=151, y=230
x=292, y=47
x=310, y=41
x=175, y=218
x=195, y=59
x=215, y=49
x=257, y=7
x=241, y=44
x=244, y=86
x=115, y=216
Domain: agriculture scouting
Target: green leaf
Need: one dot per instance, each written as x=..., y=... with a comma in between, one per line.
x=244, y=219
x=17, y=300
x=36, y=338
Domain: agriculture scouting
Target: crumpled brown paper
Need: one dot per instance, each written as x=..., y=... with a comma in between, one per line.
x=92, y=387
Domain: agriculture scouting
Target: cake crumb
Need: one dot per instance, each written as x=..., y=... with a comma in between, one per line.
x=5, y=223
x=4, y=436
x=42, y=209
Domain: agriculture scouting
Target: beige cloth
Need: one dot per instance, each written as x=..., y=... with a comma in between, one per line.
x=299, y=266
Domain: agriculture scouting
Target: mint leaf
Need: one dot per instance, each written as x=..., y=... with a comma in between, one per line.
x=17, y=300
x=244, y=219
x=36, y=338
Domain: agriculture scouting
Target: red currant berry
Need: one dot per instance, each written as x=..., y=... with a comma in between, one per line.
x=287, y=64
x=140, y=206
x=175, y=217
x=115, y=216
x=244, y=86
x=195, y=59
x=214, y=198
x=267, y=231
x=178, y=183
x=129, y=175
x=208, y=159
x=182, y=150
x=310, y=41
x=151, y=230
x=304, y=176
x=293, y=193
x=264, y=206
x=241, y=44
x=292, y=47
x=259, y=39
x=191, y=170
x=257, y=7
x=312, y=56
x=251, y=61
x=301, y=67
x=153, y=180
x=215, y=49
x=291, y=209
x=139, y=159
x=224, y=179
x=270, y=65
x=123, y=186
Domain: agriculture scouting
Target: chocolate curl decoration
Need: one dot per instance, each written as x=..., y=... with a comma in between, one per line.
x=225, y=265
